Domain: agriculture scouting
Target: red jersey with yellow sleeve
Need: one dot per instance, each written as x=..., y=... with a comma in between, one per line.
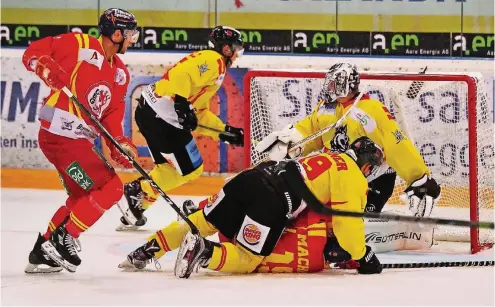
x=196, y=77
x=98, y=84
x=369, y=118
x=299, y=250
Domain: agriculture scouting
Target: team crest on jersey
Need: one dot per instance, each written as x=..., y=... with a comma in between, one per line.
x=99, y=96
x=340, y=142
x=251, y=234
x=203, y=68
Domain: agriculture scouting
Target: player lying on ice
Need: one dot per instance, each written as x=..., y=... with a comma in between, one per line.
x=92, y=70
x=370, y=118
x=169, y=110
x=269, y=228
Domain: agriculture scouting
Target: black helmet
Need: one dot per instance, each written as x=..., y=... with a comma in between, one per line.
x=222, y=35
x=368, y=155
x=116, y=19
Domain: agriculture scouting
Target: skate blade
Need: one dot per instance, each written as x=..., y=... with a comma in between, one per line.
x=52, y=252
x=123, y=227
x=182, y=264
x=41, y=269
x=126, y=265
x=126, y=212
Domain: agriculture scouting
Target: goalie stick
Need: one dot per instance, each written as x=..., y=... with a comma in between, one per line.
x=296, y=183
x=138, y=167
x=419, y=265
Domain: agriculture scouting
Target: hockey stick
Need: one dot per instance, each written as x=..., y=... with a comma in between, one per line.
x=128, y=157
x=296, y=184
x=419, y=265
x=216, y=130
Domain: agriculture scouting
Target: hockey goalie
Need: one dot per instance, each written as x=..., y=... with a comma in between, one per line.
x=362, y=116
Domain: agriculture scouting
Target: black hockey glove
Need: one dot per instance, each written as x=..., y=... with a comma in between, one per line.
x=422, y=195
x=185, y=113
x=369, y=264
x=232, y=136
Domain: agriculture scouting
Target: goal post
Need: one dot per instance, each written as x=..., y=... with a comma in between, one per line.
x=448, y=117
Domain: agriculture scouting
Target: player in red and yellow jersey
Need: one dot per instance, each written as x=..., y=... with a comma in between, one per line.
x=169, y=110
x=254, y=208
x=94, y=73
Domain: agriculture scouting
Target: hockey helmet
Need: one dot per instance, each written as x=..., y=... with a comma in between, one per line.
x=368, y=155
x=118, y=19
x=340, y=80
x=222, y=35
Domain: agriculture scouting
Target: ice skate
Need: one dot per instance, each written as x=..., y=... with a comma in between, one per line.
x=131, y=207
x=39, y=262
x=142, y=256
x=62, y=248
x=194, y=252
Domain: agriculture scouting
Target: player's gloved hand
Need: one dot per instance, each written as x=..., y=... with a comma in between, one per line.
x=369, y=264
x=421, y=196
x=277, y=144
x=50, y=72
x=185, y=113
x=128, y=146
x=232, y=136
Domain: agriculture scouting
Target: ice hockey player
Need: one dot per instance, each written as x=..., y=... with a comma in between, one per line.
x=92, y=70
x=167, y=113
x=368, y=118
x=254, y=208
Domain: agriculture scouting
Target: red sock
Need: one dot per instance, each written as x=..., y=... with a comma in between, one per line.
x=56, y=220
x=90, y=208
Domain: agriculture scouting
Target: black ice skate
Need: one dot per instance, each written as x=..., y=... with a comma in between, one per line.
x=62, y=248
x=194, y=252
x=131, y=207
x=142, y=256
x=39, y=262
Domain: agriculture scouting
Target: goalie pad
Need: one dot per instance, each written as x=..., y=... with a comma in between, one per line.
x=276, y=144
x=386, y=236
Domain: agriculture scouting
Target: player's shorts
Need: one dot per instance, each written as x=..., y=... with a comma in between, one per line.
x=250, y=210
x=380, y=191
x=166, y=143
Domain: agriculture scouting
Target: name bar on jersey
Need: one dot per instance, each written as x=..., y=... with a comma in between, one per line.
x=351, y=43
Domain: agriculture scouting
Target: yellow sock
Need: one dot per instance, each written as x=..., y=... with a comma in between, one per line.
x=170, y=237
x=167, y=178
x=233, y=259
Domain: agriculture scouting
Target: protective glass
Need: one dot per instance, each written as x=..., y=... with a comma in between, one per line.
x=239, y=49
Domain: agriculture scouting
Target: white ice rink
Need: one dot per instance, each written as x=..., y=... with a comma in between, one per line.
x=98, y=281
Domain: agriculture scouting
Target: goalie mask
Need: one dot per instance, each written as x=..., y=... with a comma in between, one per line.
x=340, y=80
x=368, y=155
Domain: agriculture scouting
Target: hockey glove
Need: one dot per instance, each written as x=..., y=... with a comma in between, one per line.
x=50, y=72
x=232, y=136
x=128, y=146
x=369, y=264
x=277, y=144
x=185, y=113
x=421, y=196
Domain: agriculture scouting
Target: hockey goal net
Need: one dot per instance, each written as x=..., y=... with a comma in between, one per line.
x=448, y=117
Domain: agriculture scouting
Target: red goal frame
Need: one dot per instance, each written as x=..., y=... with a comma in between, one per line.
x=472, y=120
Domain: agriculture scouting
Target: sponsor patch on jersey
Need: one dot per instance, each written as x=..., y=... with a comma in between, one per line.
x=220, y=79
x=213, y=201
x=99, y=96
x=194, y=154
x=252, y=235
x=120, y=76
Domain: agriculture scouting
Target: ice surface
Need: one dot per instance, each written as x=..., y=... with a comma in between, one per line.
x=98, y=281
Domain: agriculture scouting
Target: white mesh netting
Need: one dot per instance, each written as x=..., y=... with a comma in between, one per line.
x=434, y=110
